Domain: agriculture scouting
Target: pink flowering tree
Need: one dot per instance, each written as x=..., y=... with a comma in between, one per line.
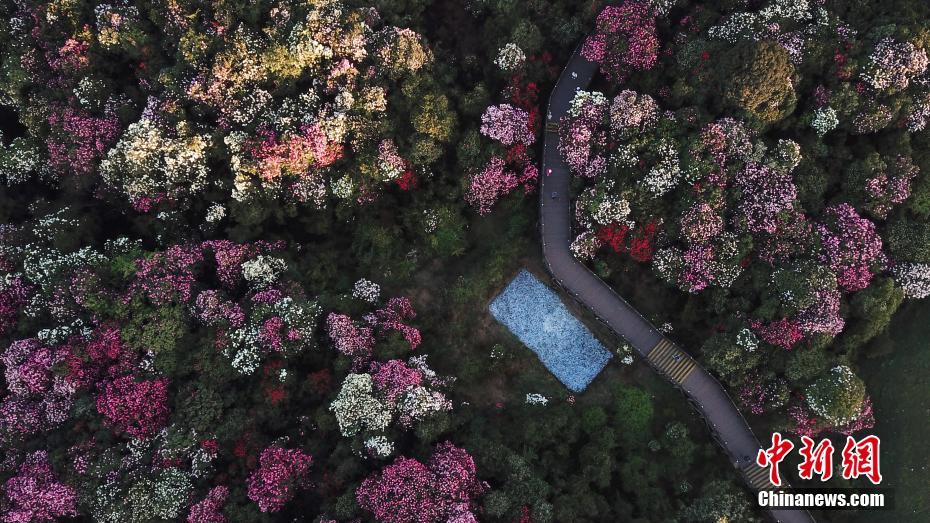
x=280, y=475
x=13, y=295
x=490, y=185
x=583, y=134
x=890, y=187
x=356, y=339
x=392, y=317
x=138, y=408
x=507, y=124
x=624, y=40
x=349, y=339
x=782, y=333
x=368, y=403
x=78, y=140
x=851, y=245
x=700, y=223
x=210, y=509
x=443, y=489
x=765, y=194
x=37, y=398
x=36, y=495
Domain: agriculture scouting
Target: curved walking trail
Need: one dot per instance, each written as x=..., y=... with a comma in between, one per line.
x=726, y=424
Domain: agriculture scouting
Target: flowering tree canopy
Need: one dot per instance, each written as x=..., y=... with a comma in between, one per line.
x=443, y=489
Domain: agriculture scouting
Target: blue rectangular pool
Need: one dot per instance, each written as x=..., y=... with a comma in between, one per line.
x=536, y=316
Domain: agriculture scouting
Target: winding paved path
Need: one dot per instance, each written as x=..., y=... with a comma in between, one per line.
x=725, y=422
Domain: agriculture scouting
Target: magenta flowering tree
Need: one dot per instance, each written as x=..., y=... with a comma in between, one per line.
x=210, y=509
x=13, y=295
x=166, y=276
x=507, y=124
x=138, y=408
x=697, y=272
x=408, y=491
x=36, y=495
x=280, y=474
x=850, y=246
x=78, y=139
x=392, y=317
x=624, y=40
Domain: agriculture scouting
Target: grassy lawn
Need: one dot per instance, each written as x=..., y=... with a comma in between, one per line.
x=901, y=393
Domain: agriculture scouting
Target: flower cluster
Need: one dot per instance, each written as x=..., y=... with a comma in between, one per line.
x=507, y=124
x=887, y=189
x=444, y=489
x=366, y=291
x=914, y=278
x=510, y=57
x=494, y=182
x=624, y=40
x=136, y=407
x=783, y=333
x=824, y=120
x=850, y=246
x=765, y=194
x=38, y=399
x=210, y=509
x=582, y=134
x=35, y=494
x=893, y=64
x=280, y=474
x=150, y=165
x=368, y=402
x=632, y=113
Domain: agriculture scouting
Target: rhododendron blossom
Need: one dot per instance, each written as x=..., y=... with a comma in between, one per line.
x=851, y=244
x=138, y=408
x=765, y=194
x=700, y=223
x=893, y=64
x=490, y=185
x=507, y=124
x=280, y=474
x=624, y=39
x=36, y=495
x=782, y=333
x=442, y=490
x=914, y=278
x=210, y=509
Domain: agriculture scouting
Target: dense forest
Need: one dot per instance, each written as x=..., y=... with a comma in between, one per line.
x=247, y=249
